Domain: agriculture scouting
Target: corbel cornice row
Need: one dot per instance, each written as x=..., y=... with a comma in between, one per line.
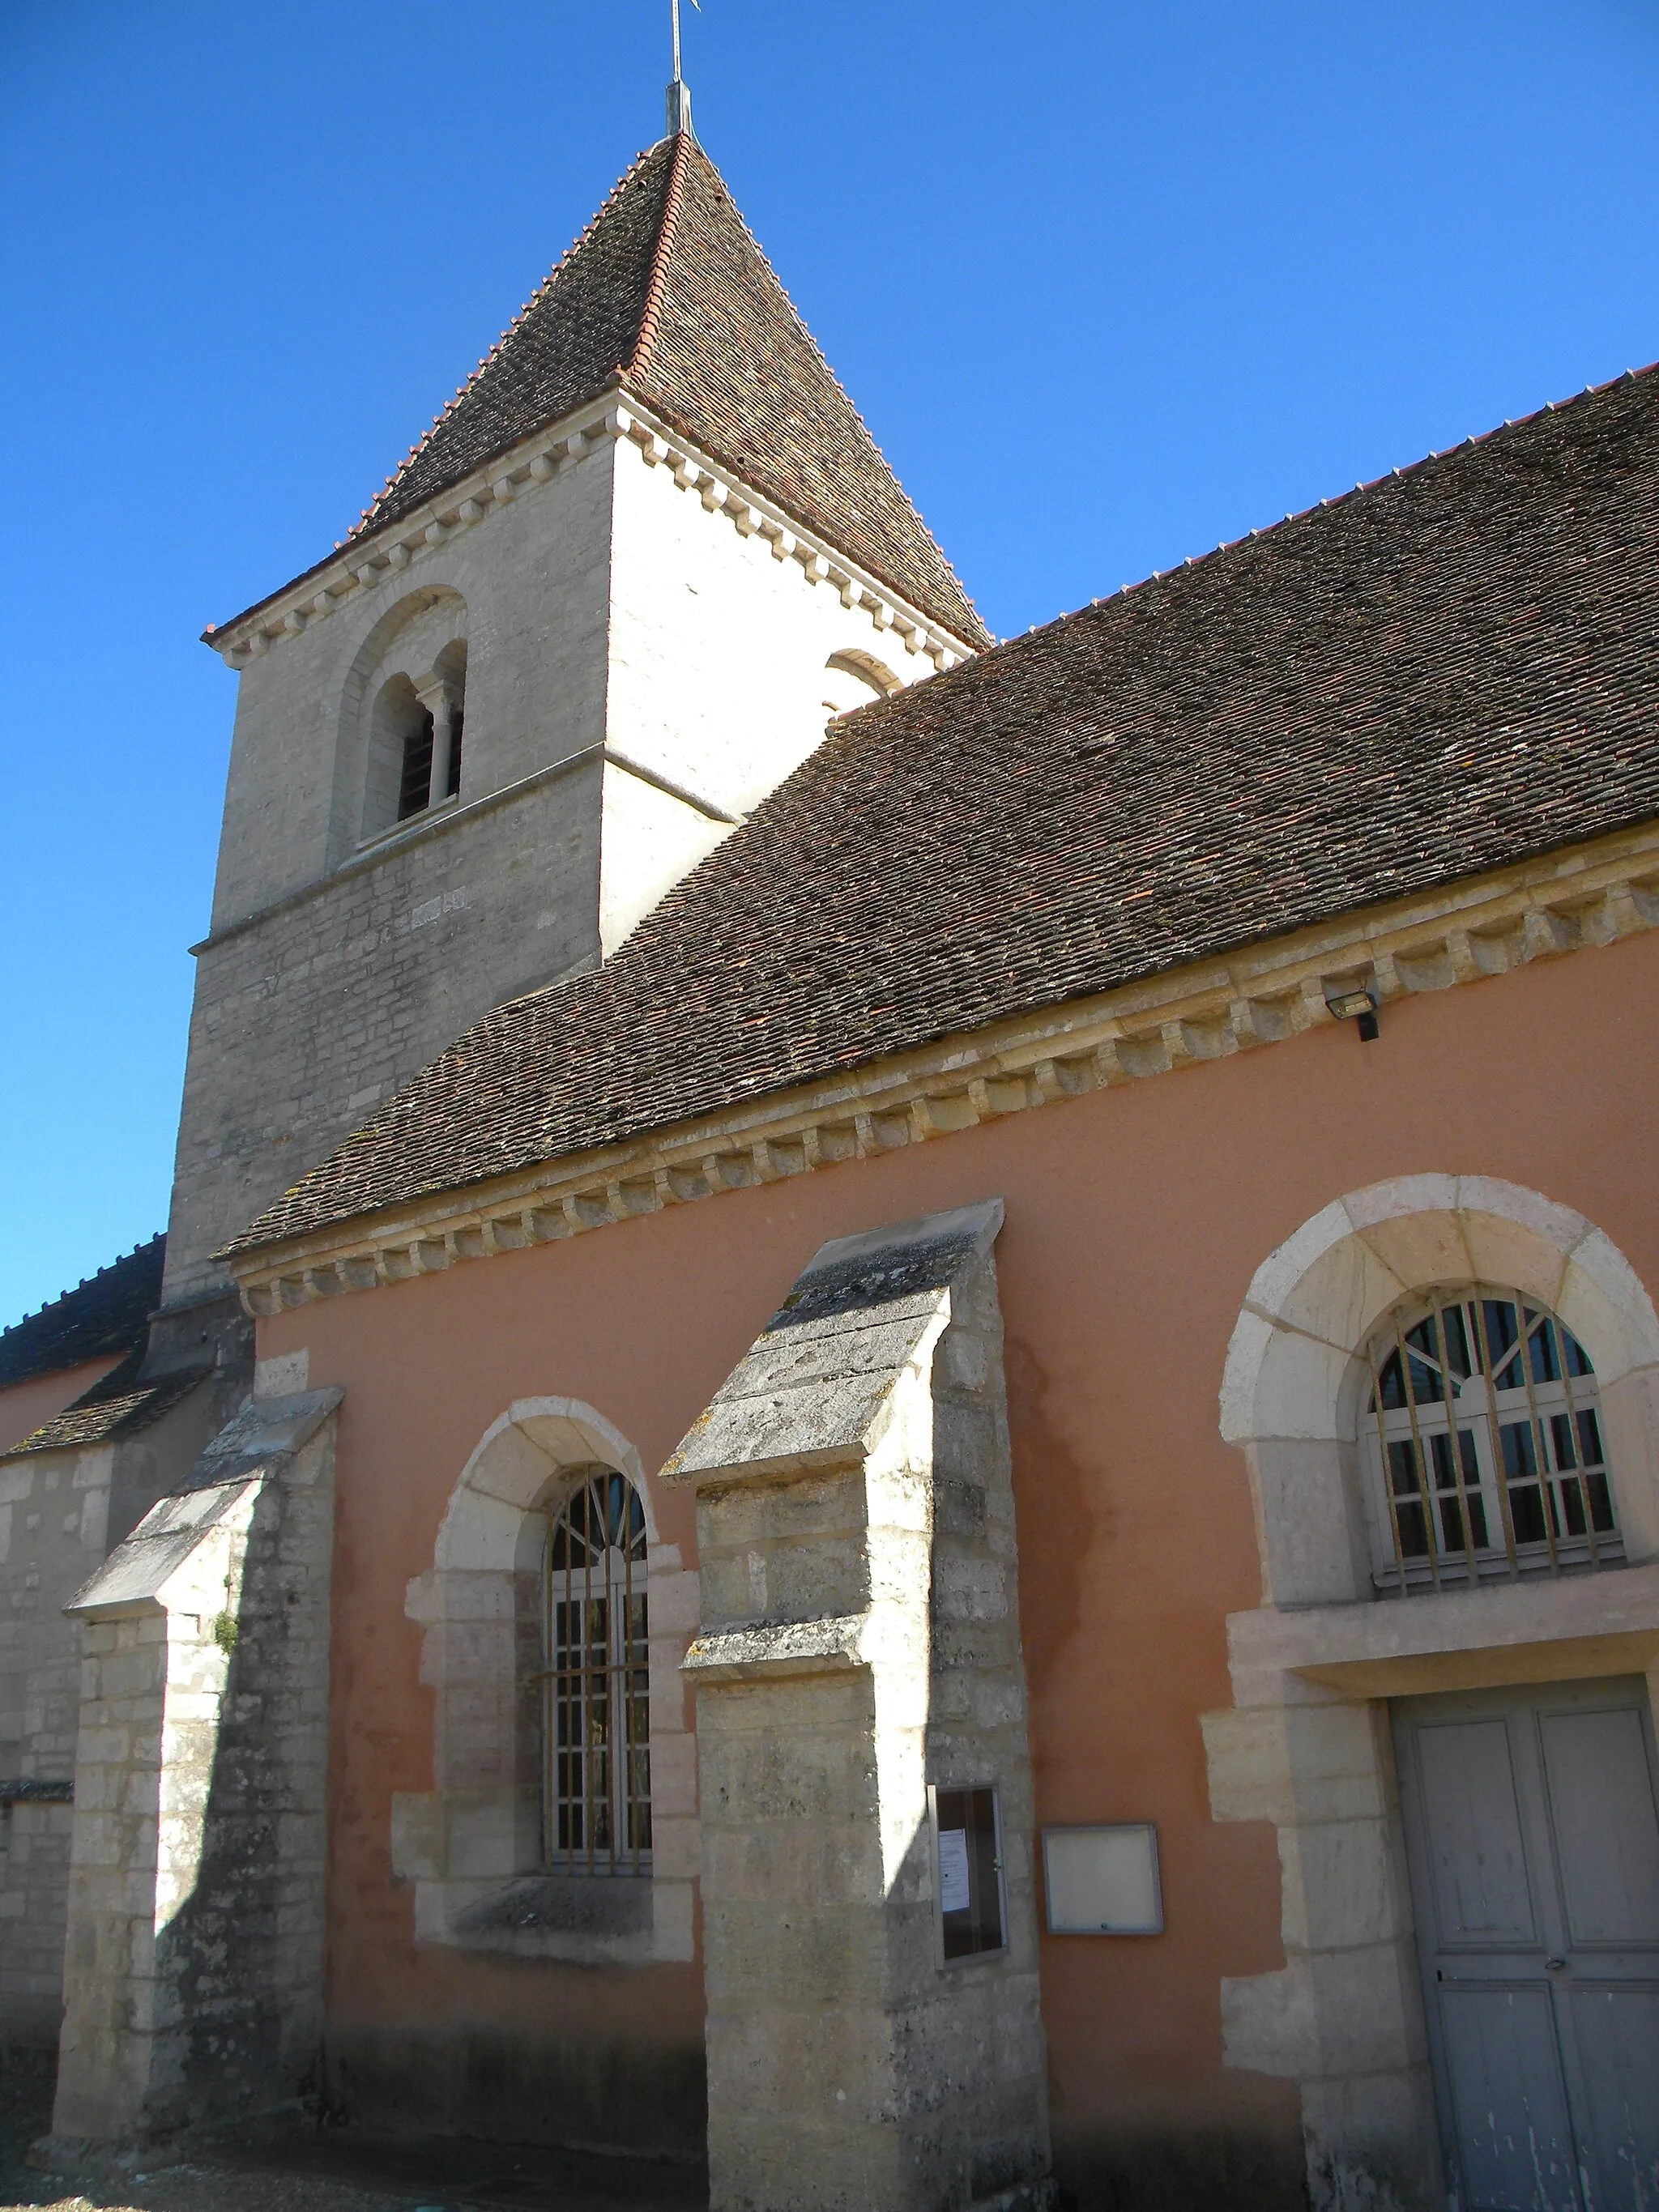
x=1461, y=933
x=364, y=567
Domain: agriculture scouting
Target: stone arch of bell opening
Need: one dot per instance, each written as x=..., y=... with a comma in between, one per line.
x=410, y=666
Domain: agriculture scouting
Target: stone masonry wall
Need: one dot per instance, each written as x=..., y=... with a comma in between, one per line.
x=534, y=580
x=194, y=1957
x=304, y=1023
x=59, y=1512
x=860, y=1641
x=607, y=606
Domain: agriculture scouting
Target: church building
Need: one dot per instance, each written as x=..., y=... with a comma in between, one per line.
x=904, y=1423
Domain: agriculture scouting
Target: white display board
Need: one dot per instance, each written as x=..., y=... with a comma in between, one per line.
x=1102, y=1882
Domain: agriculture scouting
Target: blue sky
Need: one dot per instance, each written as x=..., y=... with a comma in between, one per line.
x=1110, y=283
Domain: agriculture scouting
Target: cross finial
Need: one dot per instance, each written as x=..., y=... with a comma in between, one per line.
x=679, y=93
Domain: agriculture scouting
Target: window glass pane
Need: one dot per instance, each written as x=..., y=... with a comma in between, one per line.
x=1546, y=1367
x=969, y=1878
x=1497, y=1316
x=1520, y=1460
x=1402, y=1467
x=1527, y=1515
x=1451, y=1345
x=1427, y=1388
x=1430, y=1476
x=1394, y=1393
x=598, y=1780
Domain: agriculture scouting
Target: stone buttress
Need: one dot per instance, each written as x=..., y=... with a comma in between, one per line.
x=193, y=1963
x=860, y=1647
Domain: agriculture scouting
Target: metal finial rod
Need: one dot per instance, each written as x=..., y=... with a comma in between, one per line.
x=679, y=97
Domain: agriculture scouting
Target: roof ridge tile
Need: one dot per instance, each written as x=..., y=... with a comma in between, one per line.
x=657, y=285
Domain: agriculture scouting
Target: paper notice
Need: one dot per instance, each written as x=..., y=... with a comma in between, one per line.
x=953, y=1870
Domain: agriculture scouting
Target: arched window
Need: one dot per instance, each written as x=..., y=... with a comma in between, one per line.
x=596, y=1709
x=1482, y=1440
x=416, y=729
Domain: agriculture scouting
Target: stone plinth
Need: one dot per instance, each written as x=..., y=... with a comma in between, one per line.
x=861, y=1645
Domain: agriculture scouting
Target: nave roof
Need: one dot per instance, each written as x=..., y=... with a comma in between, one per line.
x=1441, y=673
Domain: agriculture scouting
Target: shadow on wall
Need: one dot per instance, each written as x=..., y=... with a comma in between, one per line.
x=1176, y=2167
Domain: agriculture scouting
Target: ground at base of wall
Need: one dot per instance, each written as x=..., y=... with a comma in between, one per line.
x=331, y=2170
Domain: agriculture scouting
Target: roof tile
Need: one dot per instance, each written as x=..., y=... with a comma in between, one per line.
x=1439, y=674
x=668, y=292
x=117, y=1406
x=109, y=1312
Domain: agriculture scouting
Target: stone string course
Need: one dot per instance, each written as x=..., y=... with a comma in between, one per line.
x=1566, y=902
x=553, y=452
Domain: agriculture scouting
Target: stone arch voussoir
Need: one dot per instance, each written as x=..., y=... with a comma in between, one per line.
x=517, y=1463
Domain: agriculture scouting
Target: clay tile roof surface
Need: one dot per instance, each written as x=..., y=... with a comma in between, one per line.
x=109, y=1313
x=665, y=292
x=1438, y=674
x=117, y=1406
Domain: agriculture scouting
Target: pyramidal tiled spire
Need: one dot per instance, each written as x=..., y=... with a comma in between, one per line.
x=667, y=295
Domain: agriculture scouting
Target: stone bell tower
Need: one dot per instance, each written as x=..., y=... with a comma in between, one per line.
x=606, y=605
x=608, y=602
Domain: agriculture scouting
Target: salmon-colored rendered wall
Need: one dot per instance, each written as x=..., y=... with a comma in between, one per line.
x=25, y=1406
x=1136, y=1220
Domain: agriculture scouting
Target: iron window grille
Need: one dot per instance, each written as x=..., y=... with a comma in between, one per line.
x=1482, y=1441
x=596, y=1714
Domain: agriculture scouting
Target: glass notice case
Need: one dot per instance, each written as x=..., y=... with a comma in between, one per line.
x=968, y=1872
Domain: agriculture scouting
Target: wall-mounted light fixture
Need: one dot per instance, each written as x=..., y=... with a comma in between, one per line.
x=1354, y=1005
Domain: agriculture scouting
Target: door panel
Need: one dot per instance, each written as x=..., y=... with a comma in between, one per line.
x=1606, y=1836
x=1532, y=1831
x=1509, y=2101
x=1618, y=2033
x=1478, y=1862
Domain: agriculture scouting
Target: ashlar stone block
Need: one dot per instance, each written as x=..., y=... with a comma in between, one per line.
x=194, y=1964
x=860, y=1648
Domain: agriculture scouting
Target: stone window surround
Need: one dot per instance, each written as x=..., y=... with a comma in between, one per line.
x=1306, y=1743
x=469, y=1843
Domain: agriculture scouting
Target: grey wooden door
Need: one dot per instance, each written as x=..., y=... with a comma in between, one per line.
x=1532, y=1830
